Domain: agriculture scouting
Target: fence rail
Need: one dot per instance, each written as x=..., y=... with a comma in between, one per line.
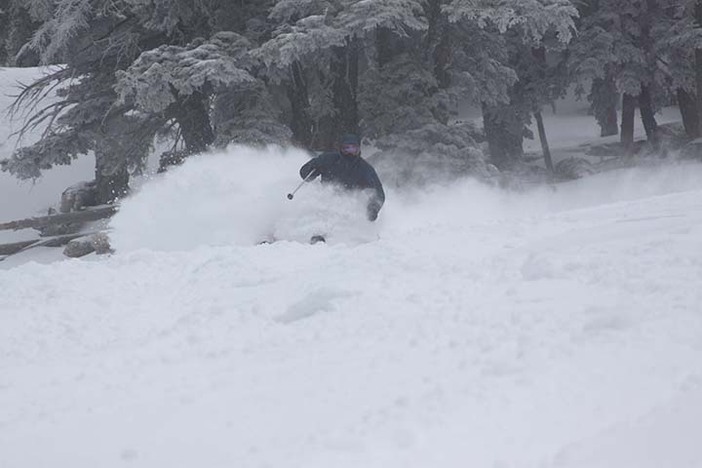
x=41, y=223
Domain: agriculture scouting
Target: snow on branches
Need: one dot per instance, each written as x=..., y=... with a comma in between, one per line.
x=534, y=18
x=162, y=75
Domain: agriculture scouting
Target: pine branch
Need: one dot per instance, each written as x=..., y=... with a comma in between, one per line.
x=31, y=97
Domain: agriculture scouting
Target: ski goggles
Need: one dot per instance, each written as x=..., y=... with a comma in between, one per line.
x=350, y=148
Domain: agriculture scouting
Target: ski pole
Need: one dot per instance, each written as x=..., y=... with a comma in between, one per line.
x=291, y=195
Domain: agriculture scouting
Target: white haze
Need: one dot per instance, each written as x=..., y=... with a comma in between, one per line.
x=238, y=197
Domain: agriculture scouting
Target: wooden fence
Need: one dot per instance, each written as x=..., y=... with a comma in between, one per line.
x=50, y=228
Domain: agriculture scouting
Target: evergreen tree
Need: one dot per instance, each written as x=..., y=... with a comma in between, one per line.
x=641, y=47
x=676, y=43
x=315, y=52
x=212, y=72
x=96, y=40
x=211, y=82
x=4, y=29
x=177, y=83
x=523, y=32
x=92, y=40
x=698, y=66
x=408, y=101
x=16, y=28
x=254, y=114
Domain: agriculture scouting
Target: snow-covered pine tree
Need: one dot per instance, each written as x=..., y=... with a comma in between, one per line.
x=638, y=77
x=95, y=39
x=4, y=31
x=253, y=114
x=178, y=82
x=543, y=79
x=299, y=58
x=645, y=48
x=603, y=94
x=686, y=65
x=209, y=86
x=698, y=65
x=402, y=94
x=173, y=79
x=408, y=98
x=16, y=28
x=316, y=52
x=678, y=35
x=522, y=29
x=91, y=40
x=249, y=115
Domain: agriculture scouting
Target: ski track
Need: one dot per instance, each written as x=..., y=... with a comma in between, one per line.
x=529, y=330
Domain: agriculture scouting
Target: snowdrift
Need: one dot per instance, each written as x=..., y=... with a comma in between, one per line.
x=469, y=326
x=237, y=198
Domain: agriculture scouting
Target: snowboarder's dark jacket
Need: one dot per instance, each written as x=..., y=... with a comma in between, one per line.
x=349, y=172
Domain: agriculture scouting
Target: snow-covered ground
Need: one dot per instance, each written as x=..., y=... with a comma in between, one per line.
x=468, y=327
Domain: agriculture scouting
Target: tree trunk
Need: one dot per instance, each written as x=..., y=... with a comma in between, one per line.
x=384, y=46
x=111, y=174
x=344, y=71
x=648, y=116
x=346, y=88
x=504, y=142
x=698, y=72
x=544, y=141
x=300, y=121
x=193, y=117
x=610, y=125
x=438, y=42
x=698, y=68
x=442, y=59
x=603, y=96
x=110, y=187
x=688, y=111
x=628, y=114
x=4, y=32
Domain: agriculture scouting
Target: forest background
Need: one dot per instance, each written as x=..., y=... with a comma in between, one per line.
x=203, y=74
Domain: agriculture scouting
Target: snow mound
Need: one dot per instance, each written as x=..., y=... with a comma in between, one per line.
x=237, y=197
x=555, y=328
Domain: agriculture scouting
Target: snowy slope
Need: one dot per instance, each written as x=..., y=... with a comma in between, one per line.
x=469, y=327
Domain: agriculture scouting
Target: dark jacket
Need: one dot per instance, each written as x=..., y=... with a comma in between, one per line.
x=349, y=172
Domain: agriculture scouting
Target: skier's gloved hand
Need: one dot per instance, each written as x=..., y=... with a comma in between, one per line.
x=305, y=172
x=309, y=171
x=372, y=211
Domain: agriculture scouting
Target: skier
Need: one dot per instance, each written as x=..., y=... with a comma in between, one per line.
x=346, y=168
